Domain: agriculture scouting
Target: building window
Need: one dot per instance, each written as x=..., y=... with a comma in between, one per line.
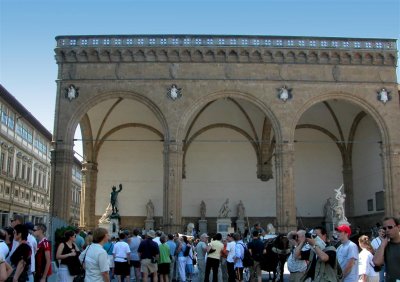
x=17, y=169
x=28, y=175
x=9, y=165
x=25, y=132
x=23, y=171
x=379, y=201
x=7, y=117
x=3, y=161
x=16, y=193
x=7, y=190
x=34, y=177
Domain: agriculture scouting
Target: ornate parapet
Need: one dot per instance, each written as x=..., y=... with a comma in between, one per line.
x=227, y=49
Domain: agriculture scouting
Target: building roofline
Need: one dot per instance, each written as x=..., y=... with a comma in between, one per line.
x=23, y=112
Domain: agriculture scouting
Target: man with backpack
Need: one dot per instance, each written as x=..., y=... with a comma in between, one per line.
x=323, y=265
x=256, y=249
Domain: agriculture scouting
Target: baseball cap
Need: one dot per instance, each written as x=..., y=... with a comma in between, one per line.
x=344, y=228
x=204, y=235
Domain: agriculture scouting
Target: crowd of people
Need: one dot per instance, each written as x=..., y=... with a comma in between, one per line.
x=25, y=255
x=25, y=252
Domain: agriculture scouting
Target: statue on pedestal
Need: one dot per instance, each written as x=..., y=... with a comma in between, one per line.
x=328, y=210
x=114, y=199
x=240, y=210
x=224, y=210
x=339, y=208
x=105, y=218
x=202, y=210
x=150, y=210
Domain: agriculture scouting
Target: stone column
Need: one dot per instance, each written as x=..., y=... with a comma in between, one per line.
x=391, y=164
x=172, y=212
x=285, y=196
x=61, y=164
x=88, y=195
x=348, y=188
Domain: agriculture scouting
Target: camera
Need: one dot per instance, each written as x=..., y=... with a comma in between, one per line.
x=309, y=236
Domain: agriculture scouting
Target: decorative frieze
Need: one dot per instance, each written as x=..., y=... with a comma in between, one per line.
x=227, y=49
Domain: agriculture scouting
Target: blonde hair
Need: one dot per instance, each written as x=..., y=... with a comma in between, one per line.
x=365, y=243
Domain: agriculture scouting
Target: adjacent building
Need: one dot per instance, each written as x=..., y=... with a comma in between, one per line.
x=25, y=168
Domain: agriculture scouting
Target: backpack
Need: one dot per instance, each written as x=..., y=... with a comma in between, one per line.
x=327, y=273
x=247, y=260
x=187, y=251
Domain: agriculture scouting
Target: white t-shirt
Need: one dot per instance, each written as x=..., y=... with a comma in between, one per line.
x=230, y=247
x=96, y=262
x=33, y=243
x=3, y=249
x=365, y=264
x=121, y=251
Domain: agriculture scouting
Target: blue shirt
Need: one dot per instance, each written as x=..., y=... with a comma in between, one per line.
x=172, y=247
x=108, y=247
x=134, y=243
x=345, y=252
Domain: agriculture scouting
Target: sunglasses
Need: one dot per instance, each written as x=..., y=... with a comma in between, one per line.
x=12, y=220
x=35, y=230
x=389, y=227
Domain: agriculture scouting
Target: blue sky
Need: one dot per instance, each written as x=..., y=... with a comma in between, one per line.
x=28, y=28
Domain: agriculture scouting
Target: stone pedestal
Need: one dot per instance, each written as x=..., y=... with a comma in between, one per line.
x=112, y=227
x=202, y=226
x=223, y=225
x=330, y=227
x=149, y=224
x=240, y=226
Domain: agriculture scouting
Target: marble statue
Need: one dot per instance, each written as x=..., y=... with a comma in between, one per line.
x=189, y=229
x=105, y=218
x=339, y=208
x=150, y=210
x=224, y=210
x=202, y=210
x=329, y=210
x=114, y=198
x=240, y=210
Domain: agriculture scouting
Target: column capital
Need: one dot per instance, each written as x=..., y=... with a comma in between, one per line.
x=89, y=166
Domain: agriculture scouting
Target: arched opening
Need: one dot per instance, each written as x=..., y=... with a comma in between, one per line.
x=228, y=152
x=338, y=142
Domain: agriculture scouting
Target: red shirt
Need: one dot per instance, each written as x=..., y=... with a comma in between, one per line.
x=40, y=257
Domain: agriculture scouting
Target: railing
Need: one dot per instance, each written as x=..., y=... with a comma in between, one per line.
x=225, y=41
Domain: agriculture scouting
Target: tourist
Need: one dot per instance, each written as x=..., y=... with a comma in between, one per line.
x=109, y=248
x=134, y=243
x=297, y=266
x=122, y=257
x=239, y=255
x=376, y=242
x=164, y=260
x=256, y=249
x=4, y=250
x=347, y=254
x=213, y=257
x=366, y=270
x=79, y=241
x=67, y=254
x=43, y=254
x=183, y=247
x=172, y=248
x=224, y=255
x=14, y=221
x=148, y=252
x=230, y=261
x=21, y=258
x=95, y=258
x=389, y=251
x=189, y=269
x=201, y=250
x=5, y=270
x=33, y=244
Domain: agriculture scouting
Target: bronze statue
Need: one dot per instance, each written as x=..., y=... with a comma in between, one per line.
x=114, y=198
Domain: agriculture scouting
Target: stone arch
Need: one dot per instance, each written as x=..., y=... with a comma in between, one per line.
x=368, y=108
x=83, y=108
x=199, y=104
